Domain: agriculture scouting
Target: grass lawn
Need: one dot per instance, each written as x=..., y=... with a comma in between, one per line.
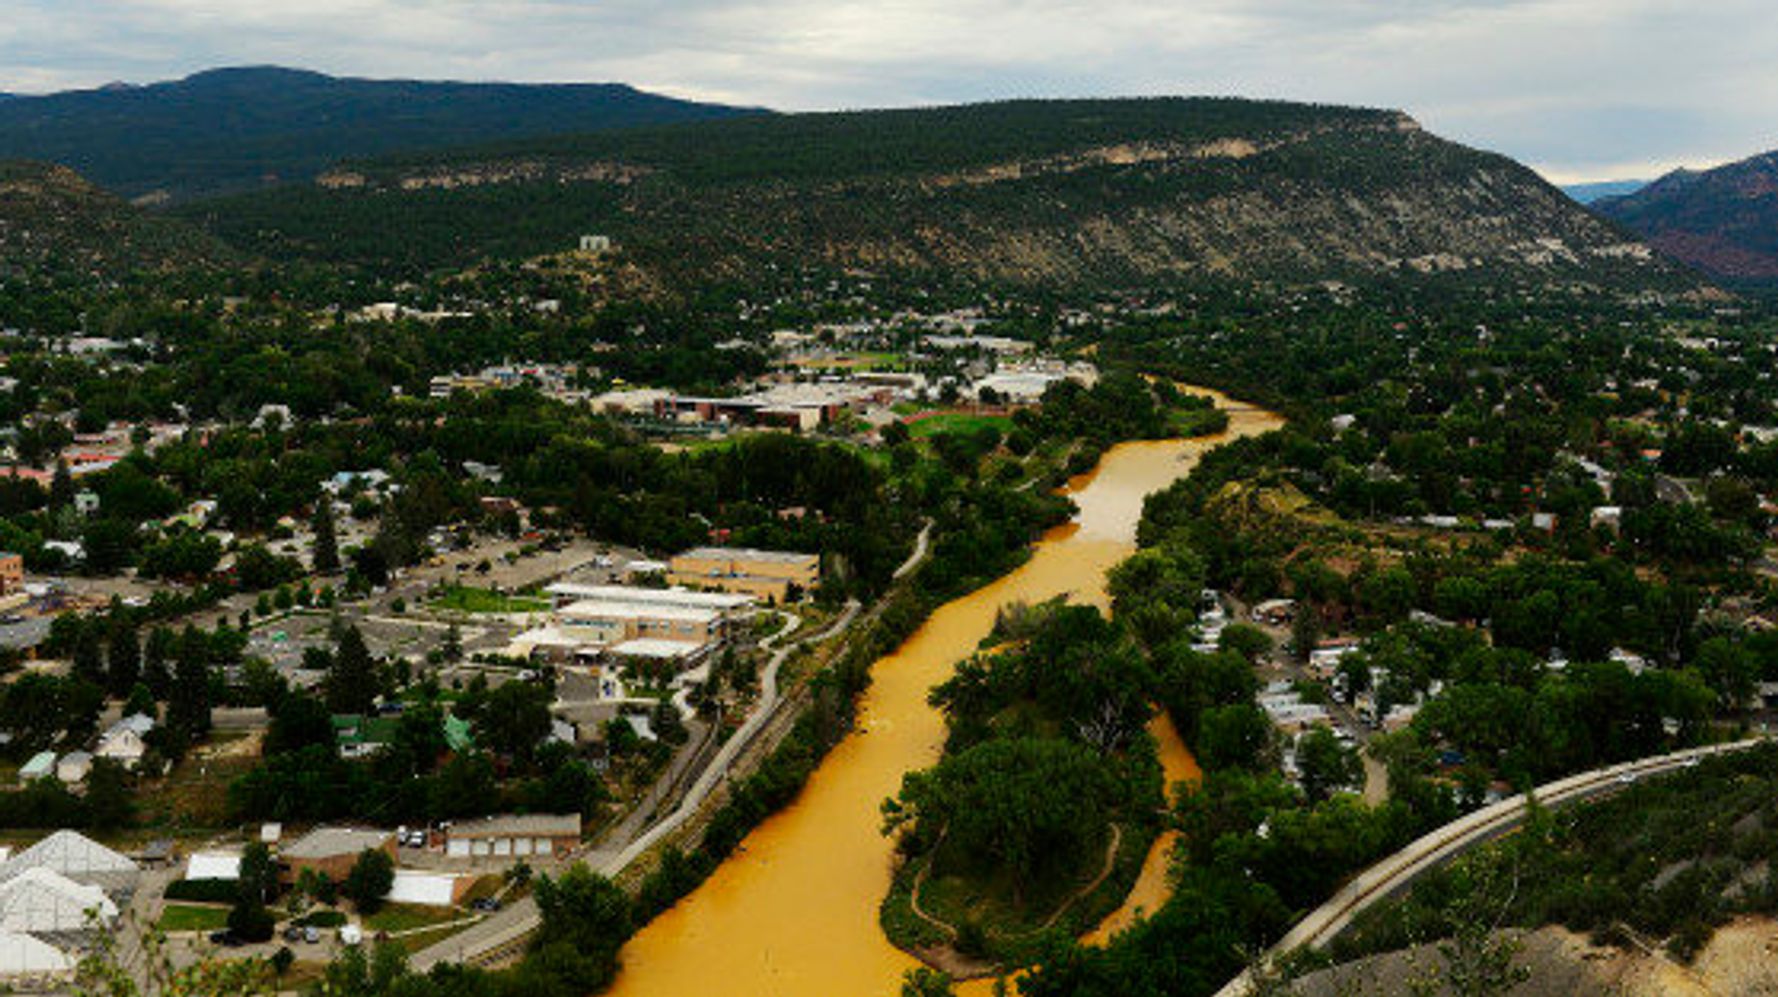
x=406, y=917
x=464, y=599
x=423, y=939
x=484, y=888
x=323, y=918
x=956, y=422
x=195, y=794
x=188, y=917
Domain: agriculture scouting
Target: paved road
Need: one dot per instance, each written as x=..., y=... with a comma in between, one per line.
x=919, y=554
x=1398, y=871
x=29, y=633
x=502, y=934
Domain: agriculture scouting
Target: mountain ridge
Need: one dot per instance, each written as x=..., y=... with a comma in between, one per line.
x=235, y=128
x=1022, y=191
x=1598, y=190
x=1724, y=221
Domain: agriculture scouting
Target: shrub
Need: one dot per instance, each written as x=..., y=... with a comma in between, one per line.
x=204, y=891
x=251, y=922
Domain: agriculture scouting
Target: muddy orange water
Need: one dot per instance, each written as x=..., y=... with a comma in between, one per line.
x=794, y=912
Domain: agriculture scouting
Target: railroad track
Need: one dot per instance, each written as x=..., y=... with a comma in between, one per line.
x=1437, y=847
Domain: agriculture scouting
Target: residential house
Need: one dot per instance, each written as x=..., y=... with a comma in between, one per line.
x=41, y=766
x=74, y=767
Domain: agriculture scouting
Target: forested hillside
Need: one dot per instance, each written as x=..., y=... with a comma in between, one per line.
x=54, y=222
x=1722, y=221
x=231, y=129
x=1029, y=193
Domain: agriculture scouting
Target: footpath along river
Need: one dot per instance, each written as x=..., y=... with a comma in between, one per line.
x=794, y=912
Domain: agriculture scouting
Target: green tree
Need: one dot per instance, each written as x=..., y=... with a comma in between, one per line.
x=258, y=880
x=923, y=982
x=89, y=653
x=326, y=555
x=1238, y=736
x=1247, y=640
x=352, y=684
x=515, y=719
x=1305, y=631
x=251, y=922
x=1028, y=807
x=189, y=708
x=109, y=803
x=370, y=880
x=123, y=656
x=1326, y=764
x=586, y=920
x=157, y=651
x=298, y=720
x=452, y=648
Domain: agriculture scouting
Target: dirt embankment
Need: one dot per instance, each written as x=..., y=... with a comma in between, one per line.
x=1741, y=961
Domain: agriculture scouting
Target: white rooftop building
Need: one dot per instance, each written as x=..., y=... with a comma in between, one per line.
x=722, y=602
x=213, y=865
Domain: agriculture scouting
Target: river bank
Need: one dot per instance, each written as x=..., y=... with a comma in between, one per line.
x=794, y=911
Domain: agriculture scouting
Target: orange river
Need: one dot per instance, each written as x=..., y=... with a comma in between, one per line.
x=794, y=911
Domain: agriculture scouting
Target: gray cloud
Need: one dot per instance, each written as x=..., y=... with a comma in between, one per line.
x=1579, y=88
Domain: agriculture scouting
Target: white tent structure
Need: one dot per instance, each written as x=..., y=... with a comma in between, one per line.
x=76, y=857
x=24, y=956
x=41, y=900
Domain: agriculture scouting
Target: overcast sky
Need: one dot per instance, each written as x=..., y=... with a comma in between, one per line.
x=1582, y=89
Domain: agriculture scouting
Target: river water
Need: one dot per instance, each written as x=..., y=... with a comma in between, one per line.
x=794, y=912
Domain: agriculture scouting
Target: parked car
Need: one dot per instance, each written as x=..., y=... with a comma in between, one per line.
x=294, y=933
x=311, y=934
x=485, y=904
x=226, y=938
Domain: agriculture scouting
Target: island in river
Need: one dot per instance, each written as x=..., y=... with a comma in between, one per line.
x=794, y=912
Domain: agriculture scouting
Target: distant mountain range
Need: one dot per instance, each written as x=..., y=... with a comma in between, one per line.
x=1587, y=193
x=1723, y=221
x=1026, y=192
x=235, y=129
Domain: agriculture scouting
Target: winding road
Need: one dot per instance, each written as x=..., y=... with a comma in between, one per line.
x=1432, y=850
